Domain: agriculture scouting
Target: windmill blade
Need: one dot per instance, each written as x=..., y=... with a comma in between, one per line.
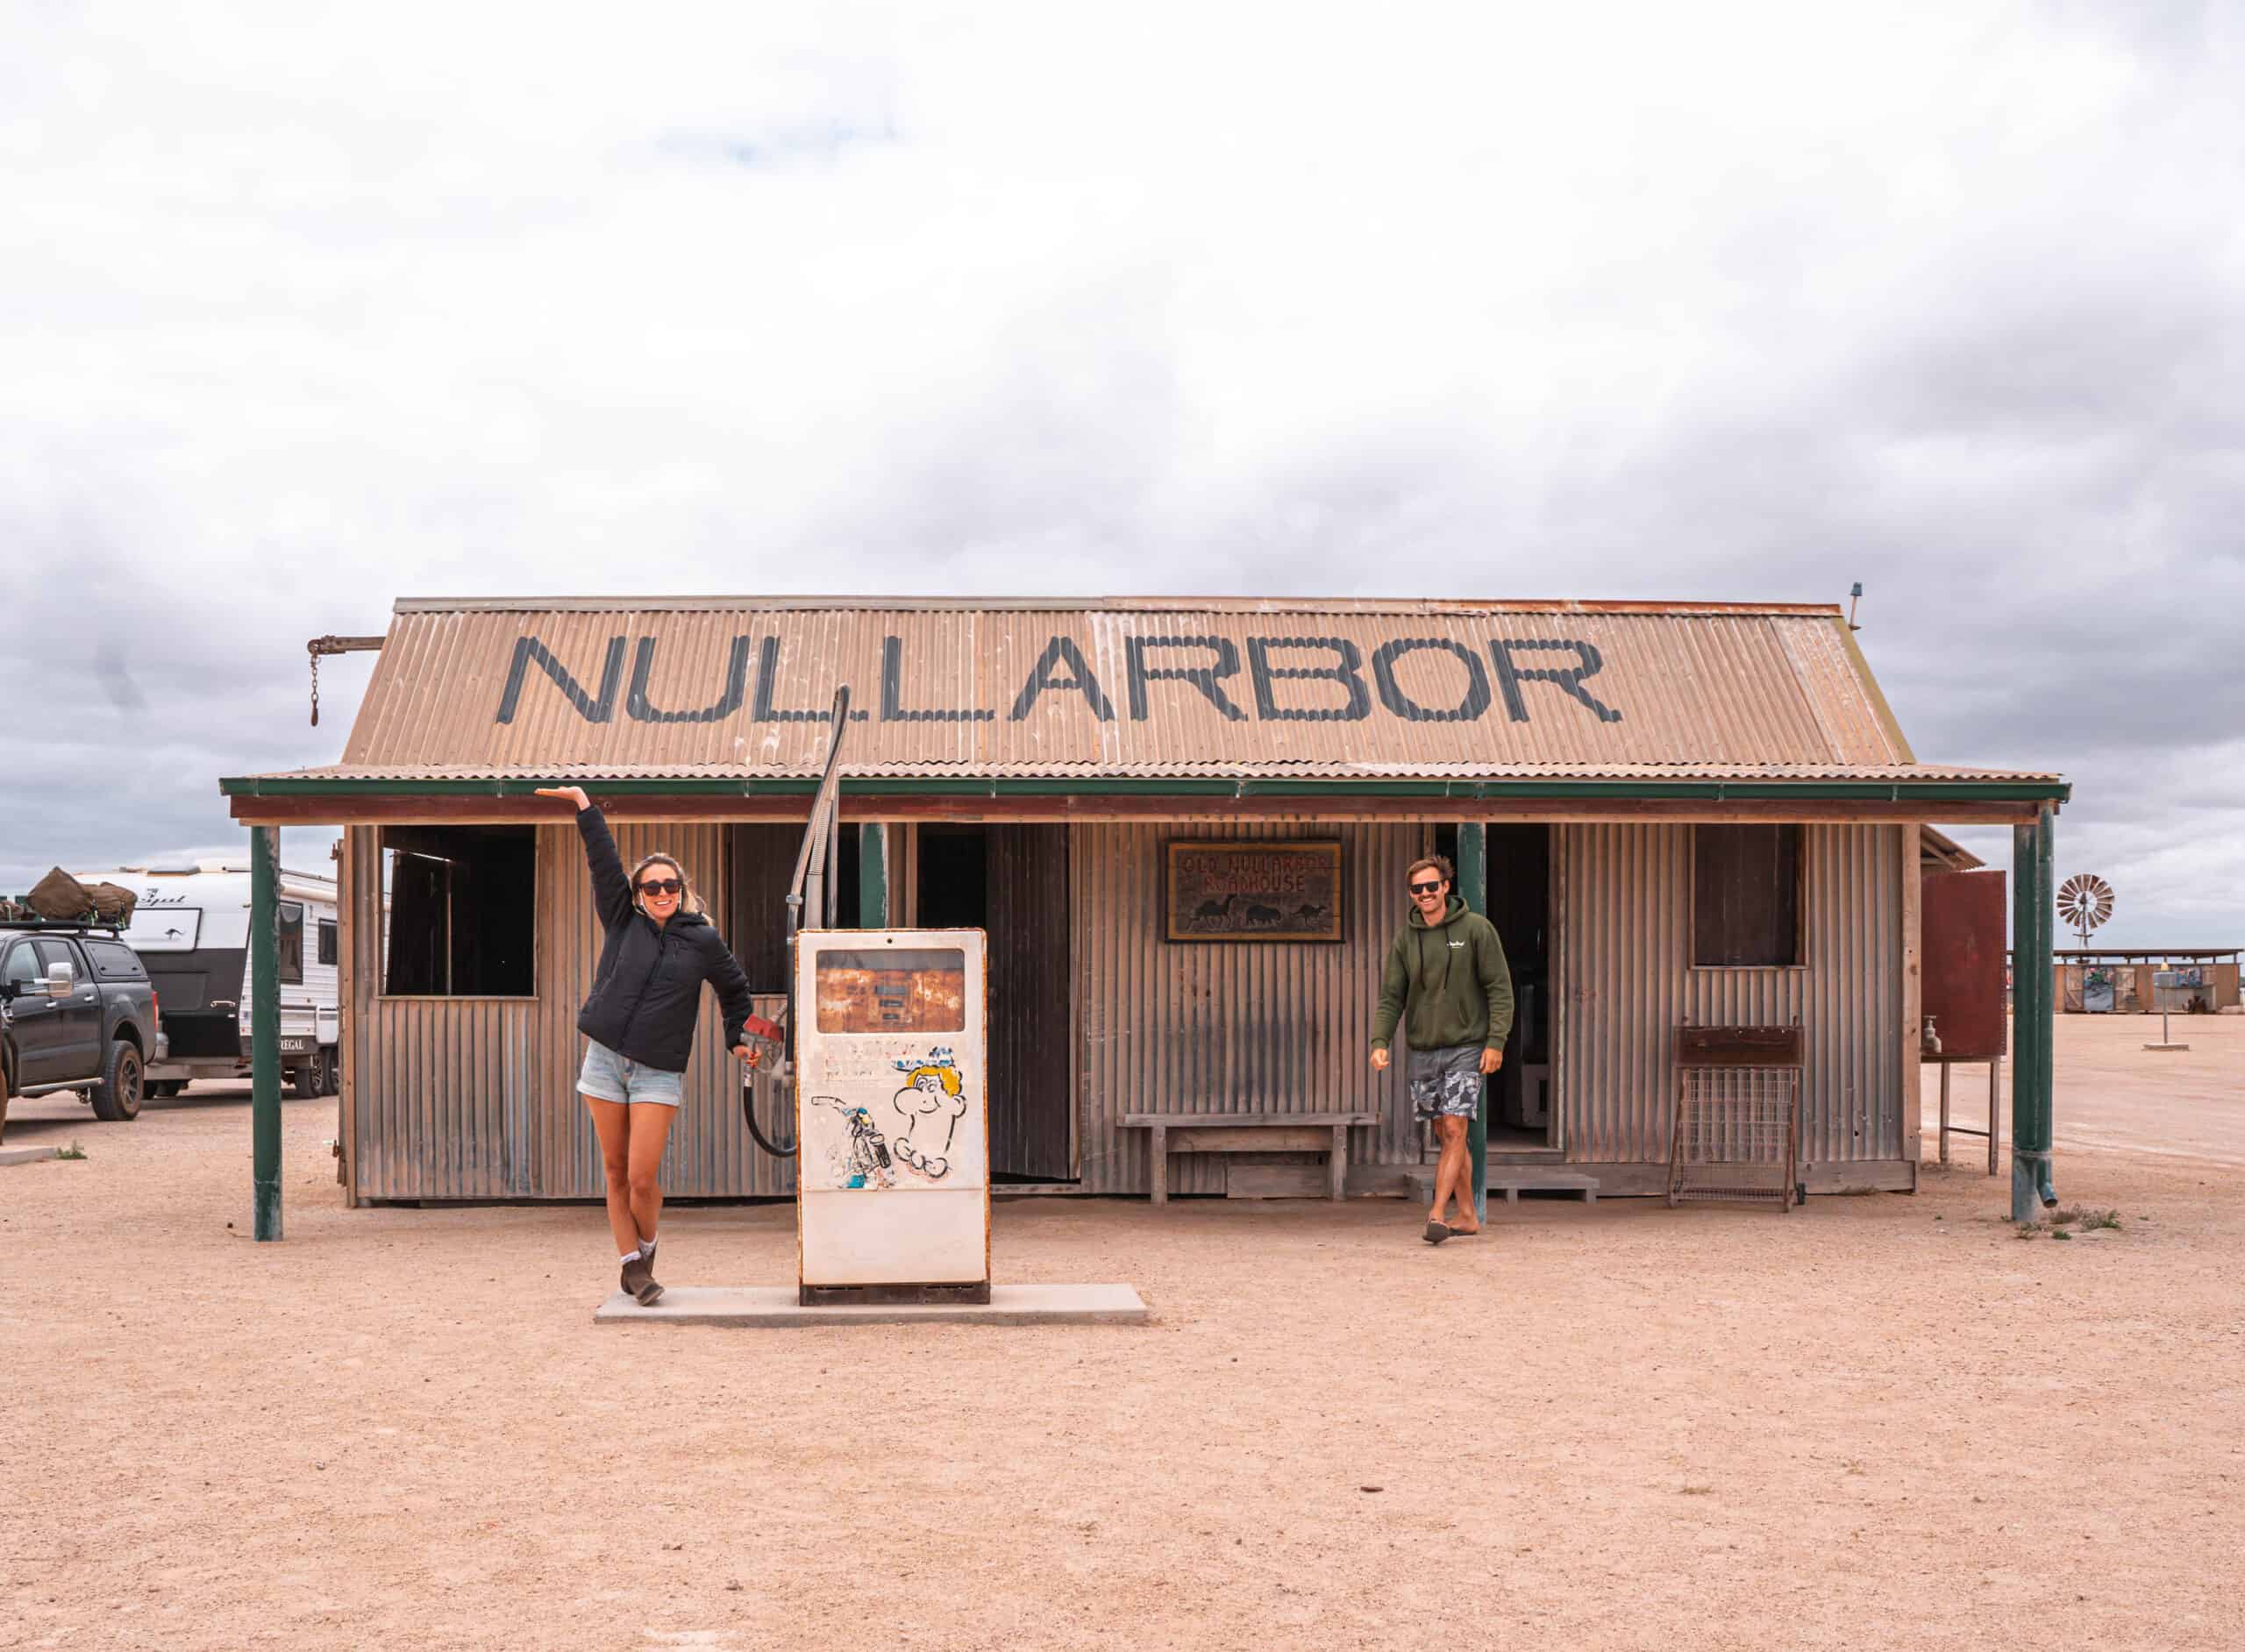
x=2084, y=902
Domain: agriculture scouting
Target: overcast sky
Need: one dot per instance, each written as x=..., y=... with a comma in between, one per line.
x=303, y=308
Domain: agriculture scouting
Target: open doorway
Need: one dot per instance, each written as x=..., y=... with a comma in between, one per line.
x=1520, y=905
x=1012, y=881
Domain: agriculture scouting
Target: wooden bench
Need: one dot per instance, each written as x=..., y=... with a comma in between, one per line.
x=1325, y=1132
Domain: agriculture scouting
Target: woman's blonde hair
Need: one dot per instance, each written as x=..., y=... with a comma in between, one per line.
x=687, y=901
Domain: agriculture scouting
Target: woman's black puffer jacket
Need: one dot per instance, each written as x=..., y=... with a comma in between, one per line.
x=648, y=990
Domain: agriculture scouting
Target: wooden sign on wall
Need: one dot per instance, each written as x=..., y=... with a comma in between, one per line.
x=1252, y=890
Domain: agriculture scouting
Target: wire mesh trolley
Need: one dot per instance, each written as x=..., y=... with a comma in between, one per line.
x=1737, y=1128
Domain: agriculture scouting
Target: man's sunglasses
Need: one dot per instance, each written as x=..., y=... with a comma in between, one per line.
x=1426, y=889
x=661, y=886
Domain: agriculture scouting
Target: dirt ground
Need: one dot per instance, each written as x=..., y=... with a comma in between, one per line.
x=1877, y=1422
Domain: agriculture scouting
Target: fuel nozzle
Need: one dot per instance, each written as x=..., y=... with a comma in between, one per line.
x=767, y=1046
x=766, y=1040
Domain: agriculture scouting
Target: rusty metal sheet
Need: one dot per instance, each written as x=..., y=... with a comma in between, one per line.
x=897, y=990
x=1962, y=921
x=1738, y=1046
x=743, y=688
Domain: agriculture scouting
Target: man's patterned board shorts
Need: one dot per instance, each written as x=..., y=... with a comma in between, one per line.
x=1445, y=1083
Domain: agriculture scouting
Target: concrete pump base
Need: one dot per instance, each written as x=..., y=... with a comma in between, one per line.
x=774, y=1307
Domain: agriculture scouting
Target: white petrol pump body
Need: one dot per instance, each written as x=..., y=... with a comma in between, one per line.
x=892, y=1111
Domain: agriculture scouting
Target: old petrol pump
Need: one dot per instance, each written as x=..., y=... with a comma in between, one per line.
x=883, y=1063
x=892, y=1136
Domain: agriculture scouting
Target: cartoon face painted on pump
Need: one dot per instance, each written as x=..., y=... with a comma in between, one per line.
x=931, y=1103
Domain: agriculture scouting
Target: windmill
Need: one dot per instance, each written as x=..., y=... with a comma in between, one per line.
x=2084, y=902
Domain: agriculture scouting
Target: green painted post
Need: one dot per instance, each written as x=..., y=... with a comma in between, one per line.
x=872, y=875
x=2033, y=1018
x=1473, y=888
x=264, y=1032
x=2046, y=1044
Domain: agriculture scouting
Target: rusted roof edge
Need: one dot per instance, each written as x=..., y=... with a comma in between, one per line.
x=1093, y=604
x=2025, y=789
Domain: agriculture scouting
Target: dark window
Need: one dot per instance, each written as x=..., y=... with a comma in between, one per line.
x=1745, y=896
x=22, y=966
x=327, y=950
x=292, y=942
x=462, y=911
x=954, y=877
x=114, y=961
x=53, y=952
x=763, y=859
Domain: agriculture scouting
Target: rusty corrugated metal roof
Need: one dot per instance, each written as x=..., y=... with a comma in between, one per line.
x=739, y=686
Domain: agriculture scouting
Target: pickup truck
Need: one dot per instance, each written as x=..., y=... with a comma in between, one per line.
x=76, y=1013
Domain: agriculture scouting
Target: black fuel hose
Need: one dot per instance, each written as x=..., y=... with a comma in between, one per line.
x=748, y=1112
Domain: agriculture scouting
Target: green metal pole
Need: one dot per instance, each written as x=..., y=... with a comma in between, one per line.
x=265, y=1030
x=2032, y=1017
x=2046, y=1046
x=872, y=875
x=1473, y=888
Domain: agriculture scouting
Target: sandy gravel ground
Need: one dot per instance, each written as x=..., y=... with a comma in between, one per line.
x=1879, y=1421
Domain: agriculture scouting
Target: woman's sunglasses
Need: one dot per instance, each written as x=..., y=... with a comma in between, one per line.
x=661, y=886
x=1426, y=889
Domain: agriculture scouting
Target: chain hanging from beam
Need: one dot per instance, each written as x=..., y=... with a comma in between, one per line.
x=319, y=646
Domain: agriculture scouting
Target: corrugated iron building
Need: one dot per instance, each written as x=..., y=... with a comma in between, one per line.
x=1023, y=766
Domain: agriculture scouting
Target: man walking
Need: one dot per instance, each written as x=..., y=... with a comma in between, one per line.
x=1449, y=966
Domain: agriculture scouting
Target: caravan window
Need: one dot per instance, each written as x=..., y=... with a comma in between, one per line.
x=462, y=911
x=292, y=942
x=327, y=949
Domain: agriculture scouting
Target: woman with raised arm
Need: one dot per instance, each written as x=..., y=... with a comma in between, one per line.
x=639, y=1024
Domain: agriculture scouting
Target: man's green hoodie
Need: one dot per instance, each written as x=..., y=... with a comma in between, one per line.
x=1454, y=977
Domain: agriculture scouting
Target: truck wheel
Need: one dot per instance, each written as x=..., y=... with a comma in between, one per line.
x=330, y=1070
x=304, y=1081
x=117, y=1098
x=162, y=1089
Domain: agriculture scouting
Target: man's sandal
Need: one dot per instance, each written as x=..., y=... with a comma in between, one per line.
x=1435, y=1233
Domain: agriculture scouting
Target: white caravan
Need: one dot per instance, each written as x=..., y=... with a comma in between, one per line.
x=191, y=929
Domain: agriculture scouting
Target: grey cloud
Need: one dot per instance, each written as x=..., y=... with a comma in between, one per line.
x=1982, y=361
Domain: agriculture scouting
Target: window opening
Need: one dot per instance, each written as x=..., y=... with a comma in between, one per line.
x=292, y=942
x=462, y=911
x=1746, y=902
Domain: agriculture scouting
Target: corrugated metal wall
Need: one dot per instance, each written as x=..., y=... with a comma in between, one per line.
x=1215, y=1026
x=476, y=1098
x=1626, y=982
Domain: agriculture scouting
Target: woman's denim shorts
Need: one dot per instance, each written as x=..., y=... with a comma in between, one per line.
x=614, y=1077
